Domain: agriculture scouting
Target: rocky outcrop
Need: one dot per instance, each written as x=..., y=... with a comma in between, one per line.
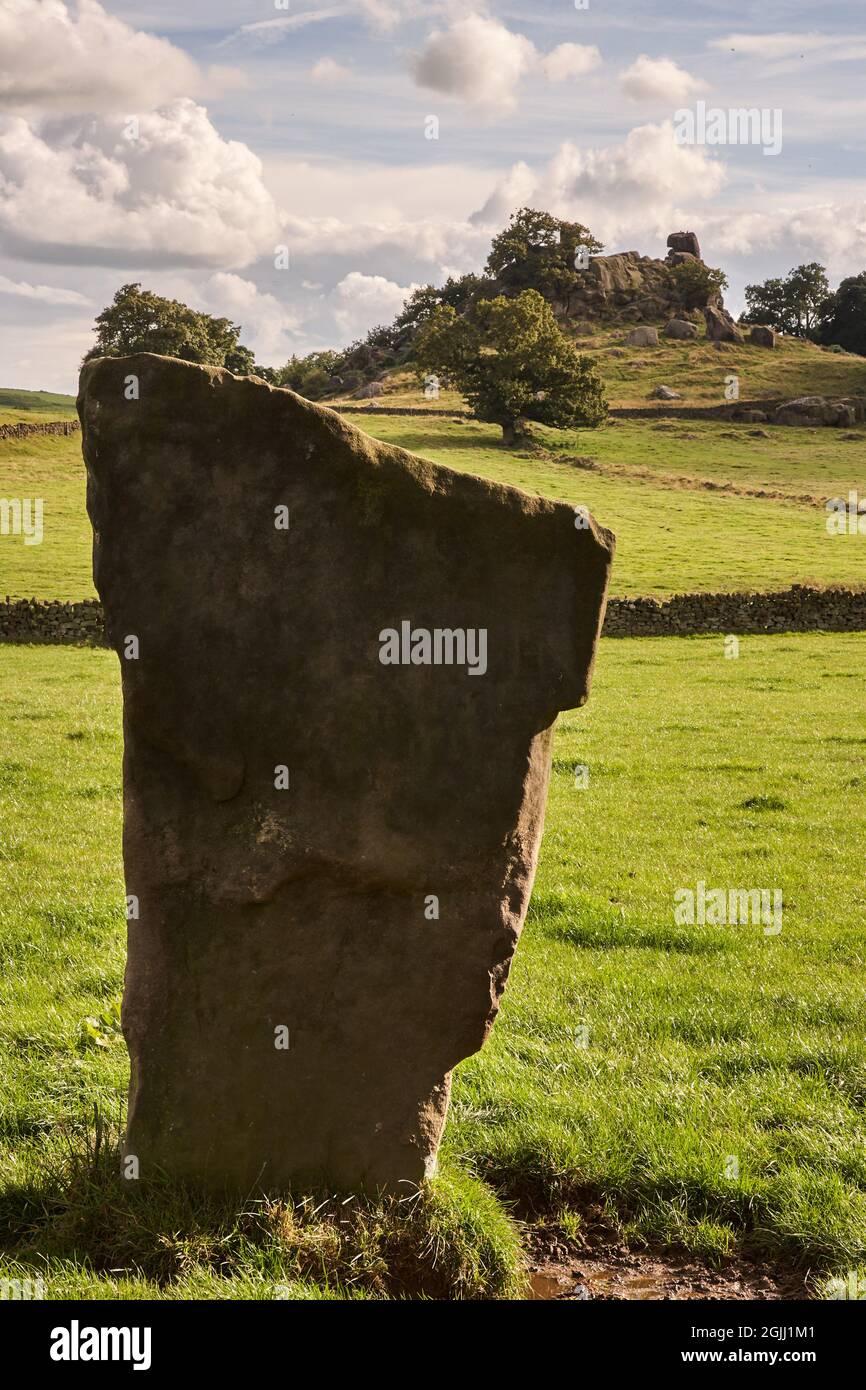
x=341, y=668
x=684, y=243
x=820, y=410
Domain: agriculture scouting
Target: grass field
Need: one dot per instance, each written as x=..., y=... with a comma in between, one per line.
x=672, y=534
x=703, y=1044
x=697, y=370
x=34, y=406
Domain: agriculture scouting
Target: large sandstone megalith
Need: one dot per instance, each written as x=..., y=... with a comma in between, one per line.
x=341, y=667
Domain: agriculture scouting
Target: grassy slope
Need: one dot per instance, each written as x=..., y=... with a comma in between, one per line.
x=669, y=539
x=34, y=406
x=704, y=1043
x=697, y=370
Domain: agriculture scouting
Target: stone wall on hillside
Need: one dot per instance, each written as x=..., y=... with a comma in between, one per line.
x=24, y=428
x=798, y=609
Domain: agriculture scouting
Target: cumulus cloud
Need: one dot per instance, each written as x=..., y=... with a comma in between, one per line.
x=658, y=79
x=476, y=59
x=481, y=62
x=55, y=60
x=267, y=325
x=363, y=301
x=642, y=185
x=328, y=70
x=178, y=194
x=570, y=60
x=48, y=294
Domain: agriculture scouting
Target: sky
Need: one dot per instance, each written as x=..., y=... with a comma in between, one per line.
x=299, y=166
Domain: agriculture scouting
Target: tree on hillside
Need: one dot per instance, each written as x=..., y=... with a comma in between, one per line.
x=513, y=364
x=139, y=321
x=697, y=284
x=843, y=316
x=537, y=251
x=423, y=302
x=794, y=304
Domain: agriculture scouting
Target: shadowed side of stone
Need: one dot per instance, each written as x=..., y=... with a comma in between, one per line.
x=341, y=666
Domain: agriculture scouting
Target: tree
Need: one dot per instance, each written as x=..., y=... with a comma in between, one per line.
x=513, y=364
x=793, y=305
x=538, y=251
x=697, y=284
x=423, y=302
x=843, y=316
x=139, y=321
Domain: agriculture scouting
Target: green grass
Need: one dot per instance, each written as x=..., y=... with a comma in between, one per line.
x=34, y=406
x=697, y=370
x=670, y=537
x=704, y=1043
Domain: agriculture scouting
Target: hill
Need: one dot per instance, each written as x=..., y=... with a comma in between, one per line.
x=32, y=406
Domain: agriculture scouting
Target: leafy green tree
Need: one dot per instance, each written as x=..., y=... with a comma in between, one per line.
x=309, y=375
x=139, y=321
x=697, y=284
x=538, y=251
x=422, y=303
x=843, y=316
x=794, y=304
x=513, y=364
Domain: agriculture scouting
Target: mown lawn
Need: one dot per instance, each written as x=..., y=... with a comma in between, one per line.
x=669, y=538
x=706, y=1084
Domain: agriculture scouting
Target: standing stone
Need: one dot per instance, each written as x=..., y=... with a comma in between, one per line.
x=331, y=857
x=763, y=336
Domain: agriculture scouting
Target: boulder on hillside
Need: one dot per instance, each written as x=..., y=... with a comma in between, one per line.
x=680, y=328
x=665, y=393
x=721, y=327
x=645, y=336
x=762, y=336
x=815, y=410
x=373, y=388
x=333, y=809
x=685, y=241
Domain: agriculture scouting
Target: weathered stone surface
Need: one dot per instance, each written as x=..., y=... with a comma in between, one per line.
x=819, y=410
x=310, y=908
x=721, y=327
x=685, y=242
x=681, y=328
x=645, y=336
x=762, y=335
x=665, y=393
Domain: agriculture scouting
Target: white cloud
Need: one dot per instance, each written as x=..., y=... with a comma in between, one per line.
x=178, y=194
x=328, y=70
x=570, y=60
x=267, y=325
x=639, y=188
x=48, y=294
x=54, y=60
x=476, y=59
x=363, y=301
x=658, y=79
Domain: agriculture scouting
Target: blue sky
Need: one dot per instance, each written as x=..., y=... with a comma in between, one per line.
x=181, y=144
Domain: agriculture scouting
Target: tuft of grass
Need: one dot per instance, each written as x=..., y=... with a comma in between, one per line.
x=73, y=1220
